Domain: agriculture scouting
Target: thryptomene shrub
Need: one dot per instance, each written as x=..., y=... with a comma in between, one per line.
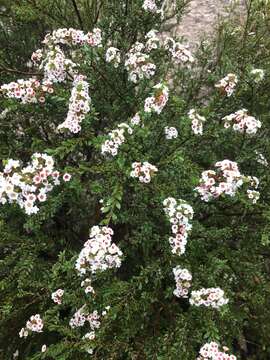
x=134, y=213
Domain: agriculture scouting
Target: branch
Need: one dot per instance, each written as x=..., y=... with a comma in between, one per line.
x=77, y=13
x=3, y=68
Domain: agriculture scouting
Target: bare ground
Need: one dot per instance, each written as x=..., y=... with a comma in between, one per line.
x=202, y=16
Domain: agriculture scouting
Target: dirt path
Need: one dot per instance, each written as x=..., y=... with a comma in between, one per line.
x=203, y=15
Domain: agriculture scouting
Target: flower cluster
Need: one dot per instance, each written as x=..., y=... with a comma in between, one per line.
x=4, y=113
x=138, y=64
x=37, y=56
x=197, y=122
x=158, y=100
x=79, y=105
x=227, y=84
x=56, y=66
x=253, y=182
x=81, y=317
x=242, y=122
x=253, y=195
x=179, y=214
x=150, y=5
x=226, y=179
x=170, y=133
x=78, y=319
x=257, y=74
x=113, y=56
x=35, y=324
x=179, y=52
x=73, y=37
x=116, y=138
x=152, y=40
x=261, y=159
x=210, y=351
x=143, y=171
x=94, y=320
x=29, y=185
x=135, y=120
x=28, y=91
x=211, y=297
x=87, y=285
x=183, y=281
x=99, y=253
x=57, y=296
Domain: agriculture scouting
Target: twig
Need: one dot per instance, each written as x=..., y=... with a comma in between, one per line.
x=3, y=68
x=77, y=13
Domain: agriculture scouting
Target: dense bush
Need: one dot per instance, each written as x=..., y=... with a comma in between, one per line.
x=228, y=246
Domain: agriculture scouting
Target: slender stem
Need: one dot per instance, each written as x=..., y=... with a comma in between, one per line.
x=3, y=68
x=77, y=13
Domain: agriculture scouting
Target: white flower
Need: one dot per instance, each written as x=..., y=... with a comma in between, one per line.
x=183, y=281
x=197, y=122
x=16, y=354
x=143, y=171
x=113, y=56
x=242, y=122
x=97, y=255
x=150, y=5
x=79, y=105
x=179, y=214
x=158, y=100
x=170, y=133
x=212, y=297
x=227, y=84
x=257, y=74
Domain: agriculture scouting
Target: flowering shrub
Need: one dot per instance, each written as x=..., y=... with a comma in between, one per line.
x=118, y=84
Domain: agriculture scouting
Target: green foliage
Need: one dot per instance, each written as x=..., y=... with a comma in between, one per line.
x=229, y=246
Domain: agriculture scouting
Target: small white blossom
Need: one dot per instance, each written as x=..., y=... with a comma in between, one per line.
x=170, y=133
x=212, y=297
x=143, y=171
x=257, y=74
x=179, y=213
x=183, y=280
x=197, y=122
x=227, y=84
